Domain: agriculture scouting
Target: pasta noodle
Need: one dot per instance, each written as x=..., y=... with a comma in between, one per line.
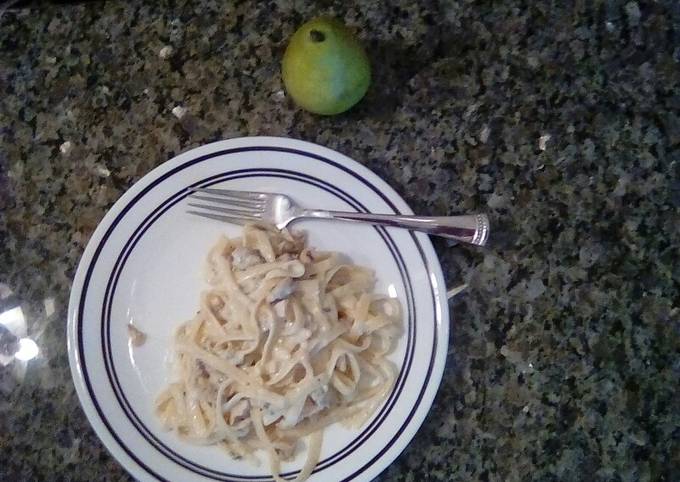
x=287, y=341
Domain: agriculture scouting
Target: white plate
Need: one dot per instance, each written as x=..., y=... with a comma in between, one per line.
x=143, y=266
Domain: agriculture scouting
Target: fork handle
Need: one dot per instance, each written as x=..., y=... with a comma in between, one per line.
x=472, y=228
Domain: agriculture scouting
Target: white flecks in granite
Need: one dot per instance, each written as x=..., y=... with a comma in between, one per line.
x=633, y=13
x=49, y=306
x=166, y=52
x=179, y=111
x=279, y=95
x=5, y=291
x=102, y=170
x=484, y=133
x=65, y=147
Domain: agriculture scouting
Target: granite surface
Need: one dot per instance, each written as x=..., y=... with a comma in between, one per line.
x=559, y=119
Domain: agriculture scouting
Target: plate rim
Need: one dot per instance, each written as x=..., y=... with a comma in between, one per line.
x=433, y=266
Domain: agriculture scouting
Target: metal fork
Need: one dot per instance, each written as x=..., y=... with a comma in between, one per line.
x=240, y=207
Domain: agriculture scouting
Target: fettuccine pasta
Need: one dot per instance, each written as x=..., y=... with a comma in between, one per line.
x=287, y=341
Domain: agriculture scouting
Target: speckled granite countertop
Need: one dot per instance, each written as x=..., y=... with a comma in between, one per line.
x=562, y=121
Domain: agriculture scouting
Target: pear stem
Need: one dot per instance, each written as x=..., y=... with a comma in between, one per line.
x=316, y=36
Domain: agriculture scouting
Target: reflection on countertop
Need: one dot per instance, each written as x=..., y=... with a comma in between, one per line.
x=561, y=121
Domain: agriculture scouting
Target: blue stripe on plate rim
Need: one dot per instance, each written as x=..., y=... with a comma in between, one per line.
x=144, y=191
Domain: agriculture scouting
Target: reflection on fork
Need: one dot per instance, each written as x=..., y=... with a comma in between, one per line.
x=240, y=207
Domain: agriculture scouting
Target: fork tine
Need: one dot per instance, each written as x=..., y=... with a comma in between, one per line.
x=219, y=217
x=230, y=193
x=231, y=202
x=249, y=215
